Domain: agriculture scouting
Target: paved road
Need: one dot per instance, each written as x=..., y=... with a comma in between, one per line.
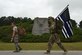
x=40, y=53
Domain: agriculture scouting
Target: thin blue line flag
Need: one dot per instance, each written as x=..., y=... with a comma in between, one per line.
x=67, y=26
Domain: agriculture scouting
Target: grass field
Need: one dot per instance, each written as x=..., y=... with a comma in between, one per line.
x=41, y=46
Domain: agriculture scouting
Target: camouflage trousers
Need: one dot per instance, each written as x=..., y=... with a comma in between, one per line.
x=54, y=39
x=16, y=42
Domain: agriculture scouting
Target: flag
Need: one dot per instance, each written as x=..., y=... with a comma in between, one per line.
x=64, y=16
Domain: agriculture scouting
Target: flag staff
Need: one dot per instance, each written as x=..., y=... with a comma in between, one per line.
x=59, y=15
x=62, y=11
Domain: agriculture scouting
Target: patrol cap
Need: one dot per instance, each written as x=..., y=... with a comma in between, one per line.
x=50, y=17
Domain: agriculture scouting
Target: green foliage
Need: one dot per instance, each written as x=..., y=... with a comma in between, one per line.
x=27, y=23
x=80, y=24
x=27, y=26
x=5, y=33
x=77, y=36
x=35, y=38
x=74, y=24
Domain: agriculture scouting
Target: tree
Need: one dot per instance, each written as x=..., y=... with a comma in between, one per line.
x=74, y=24
x=25, y=19
x=2, y=19
x=80, y=24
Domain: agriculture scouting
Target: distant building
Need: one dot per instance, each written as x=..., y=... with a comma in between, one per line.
x=40, y=26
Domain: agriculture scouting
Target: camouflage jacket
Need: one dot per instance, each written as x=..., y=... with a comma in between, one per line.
x=56, y=27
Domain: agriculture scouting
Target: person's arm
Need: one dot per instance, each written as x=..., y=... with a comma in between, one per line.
x=24, y=31
x=13, y=35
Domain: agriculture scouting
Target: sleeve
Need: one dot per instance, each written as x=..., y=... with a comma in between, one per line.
x=14, y=28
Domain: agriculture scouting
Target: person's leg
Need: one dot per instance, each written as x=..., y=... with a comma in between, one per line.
x=19, y=45
x=62, y=47
x=58, y=41
x=50, y=44
x=18, y=48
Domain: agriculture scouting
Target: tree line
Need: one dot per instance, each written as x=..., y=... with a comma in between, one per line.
x=27, y=23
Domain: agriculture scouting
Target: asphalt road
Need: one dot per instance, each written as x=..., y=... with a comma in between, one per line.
x=40, y=53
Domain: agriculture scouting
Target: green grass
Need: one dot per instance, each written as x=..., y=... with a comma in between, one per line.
x=41, y=46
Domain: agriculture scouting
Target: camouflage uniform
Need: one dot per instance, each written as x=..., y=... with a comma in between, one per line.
x=16, y=39
x=54, y=37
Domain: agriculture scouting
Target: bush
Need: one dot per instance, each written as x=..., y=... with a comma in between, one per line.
x=77, y=36
x=6, y=31
x=35, y=38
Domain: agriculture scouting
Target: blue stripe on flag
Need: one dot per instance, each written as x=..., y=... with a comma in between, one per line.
x=67, y=27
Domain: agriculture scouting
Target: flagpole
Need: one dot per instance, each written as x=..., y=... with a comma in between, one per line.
x=62, y=11
x=60, y=14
